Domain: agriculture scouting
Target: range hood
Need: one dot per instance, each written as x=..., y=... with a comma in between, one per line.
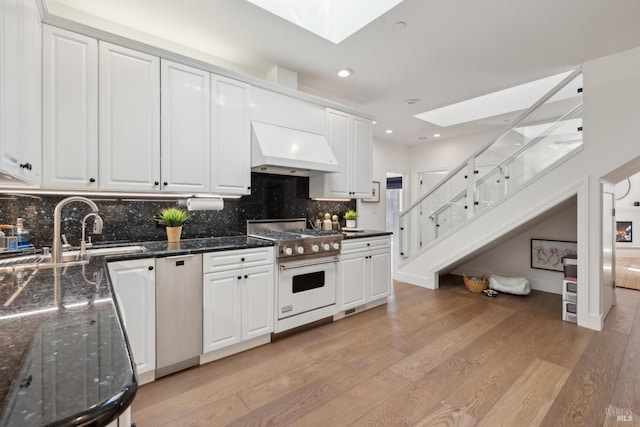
x=284, y=151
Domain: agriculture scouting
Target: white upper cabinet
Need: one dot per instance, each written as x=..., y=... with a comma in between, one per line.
x=70, y=110
x=185, y=141
x=362, y=159
x=230, y=137
x=350, y=140
x=129, y=119
x=20, y=90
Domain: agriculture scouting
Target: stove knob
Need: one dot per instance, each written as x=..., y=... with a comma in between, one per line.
x=300, y=250
x=326, y=247
x=336, y=246
x=315, y=248
x=288, y=251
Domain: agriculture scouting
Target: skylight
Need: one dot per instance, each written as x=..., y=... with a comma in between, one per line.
x=504, y=101
x=334, y=20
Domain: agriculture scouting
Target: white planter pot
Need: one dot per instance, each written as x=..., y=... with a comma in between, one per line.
x=351, y=223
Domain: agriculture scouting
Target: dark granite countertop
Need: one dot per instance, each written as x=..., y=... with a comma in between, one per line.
x=194, y=246
x=64, y=356
x=364, y=233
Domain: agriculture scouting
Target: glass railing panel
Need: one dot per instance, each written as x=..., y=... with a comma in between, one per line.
x=562, y=139
x=490, y=188
x=542, y=136
x=529, y=128
x=453, y=214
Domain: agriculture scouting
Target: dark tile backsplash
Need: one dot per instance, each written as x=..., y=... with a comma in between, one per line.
x=273, y=196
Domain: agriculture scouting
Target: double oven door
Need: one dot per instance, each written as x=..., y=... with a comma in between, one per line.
x=306, y=285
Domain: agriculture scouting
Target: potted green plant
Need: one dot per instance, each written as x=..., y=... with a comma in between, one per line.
x=350, y=217
x=172, y=218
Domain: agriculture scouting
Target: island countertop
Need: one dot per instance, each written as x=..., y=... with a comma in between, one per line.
x=65, y=357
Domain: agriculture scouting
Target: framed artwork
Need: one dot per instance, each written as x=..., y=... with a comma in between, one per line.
x=624, y=231
x=547, y=254
x=375, y=193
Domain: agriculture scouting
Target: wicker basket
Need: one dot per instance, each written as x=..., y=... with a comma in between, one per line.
x=476, y=286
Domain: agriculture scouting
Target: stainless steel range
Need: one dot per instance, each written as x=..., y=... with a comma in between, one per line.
x=307, y=270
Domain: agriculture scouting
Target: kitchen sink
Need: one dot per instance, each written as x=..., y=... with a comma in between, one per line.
x=69, y=258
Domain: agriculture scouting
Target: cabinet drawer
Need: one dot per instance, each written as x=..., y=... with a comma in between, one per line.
x=224, y=260
x=570, y=287
x=354, y=245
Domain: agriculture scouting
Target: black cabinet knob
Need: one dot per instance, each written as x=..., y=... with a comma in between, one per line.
x=239, y=277
x=156, y=183
x=242, y=259
x=28, y=166
x=92, y=180
x=150, y=267
x=245, y=276
x=165, y=183
x=249, y=188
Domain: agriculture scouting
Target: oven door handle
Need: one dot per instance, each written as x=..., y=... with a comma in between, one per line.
x=287, y=267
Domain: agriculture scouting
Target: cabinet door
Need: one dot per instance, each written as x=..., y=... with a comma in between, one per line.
x=70, y=110
x=31, y=120
x=257, y=301
x=185, y=147
x=20, y=90
x=353, y=274
x=10, y=90
x=135, y=288
x=379, y=274
x=338, y=133
x=361, y=160
x=230, y=137
x=129, y=112
x=222, y=309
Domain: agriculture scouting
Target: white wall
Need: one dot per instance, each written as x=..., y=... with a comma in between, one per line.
x=513, y=258
x=387, y=157
x=626, y=211
x=445, y=154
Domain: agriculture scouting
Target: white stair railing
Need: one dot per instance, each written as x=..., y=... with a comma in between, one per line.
x=548, y=133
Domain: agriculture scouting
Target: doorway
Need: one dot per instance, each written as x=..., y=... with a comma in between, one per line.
x=394, y=197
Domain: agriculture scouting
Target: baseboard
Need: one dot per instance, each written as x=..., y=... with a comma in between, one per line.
x=411, y=279
x=235, y=348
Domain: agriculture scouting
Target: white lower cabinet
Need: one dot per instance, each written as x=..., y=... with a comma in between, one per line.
x=365, y=271
x=238, y=297
x=134, y=283
x=124, y=420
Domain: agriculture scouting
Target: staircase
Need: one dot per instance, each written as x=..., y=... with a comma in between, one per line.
x=525, y=170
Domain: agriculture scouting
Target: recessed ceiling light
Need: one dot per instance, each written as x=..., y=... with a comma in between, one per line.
x=400, y=25
x=388, y=131
x=374, y=122
x=411, y=101
x=345, y=72
x=436, y=135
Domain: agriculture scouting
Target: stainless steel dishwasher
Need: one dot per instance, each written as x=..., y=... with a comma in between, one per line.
x=178, y=313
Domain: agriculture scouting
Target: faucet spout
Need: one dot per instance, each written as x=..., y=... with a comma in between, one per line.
x=56, y=247
x=97, y=229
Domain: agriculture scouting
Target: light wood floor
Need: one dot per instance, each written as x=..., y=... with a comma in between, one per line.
x=445, y=357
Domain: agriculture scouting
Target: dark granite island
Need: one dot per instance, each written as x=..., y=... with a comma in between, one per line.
x=64, y=358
